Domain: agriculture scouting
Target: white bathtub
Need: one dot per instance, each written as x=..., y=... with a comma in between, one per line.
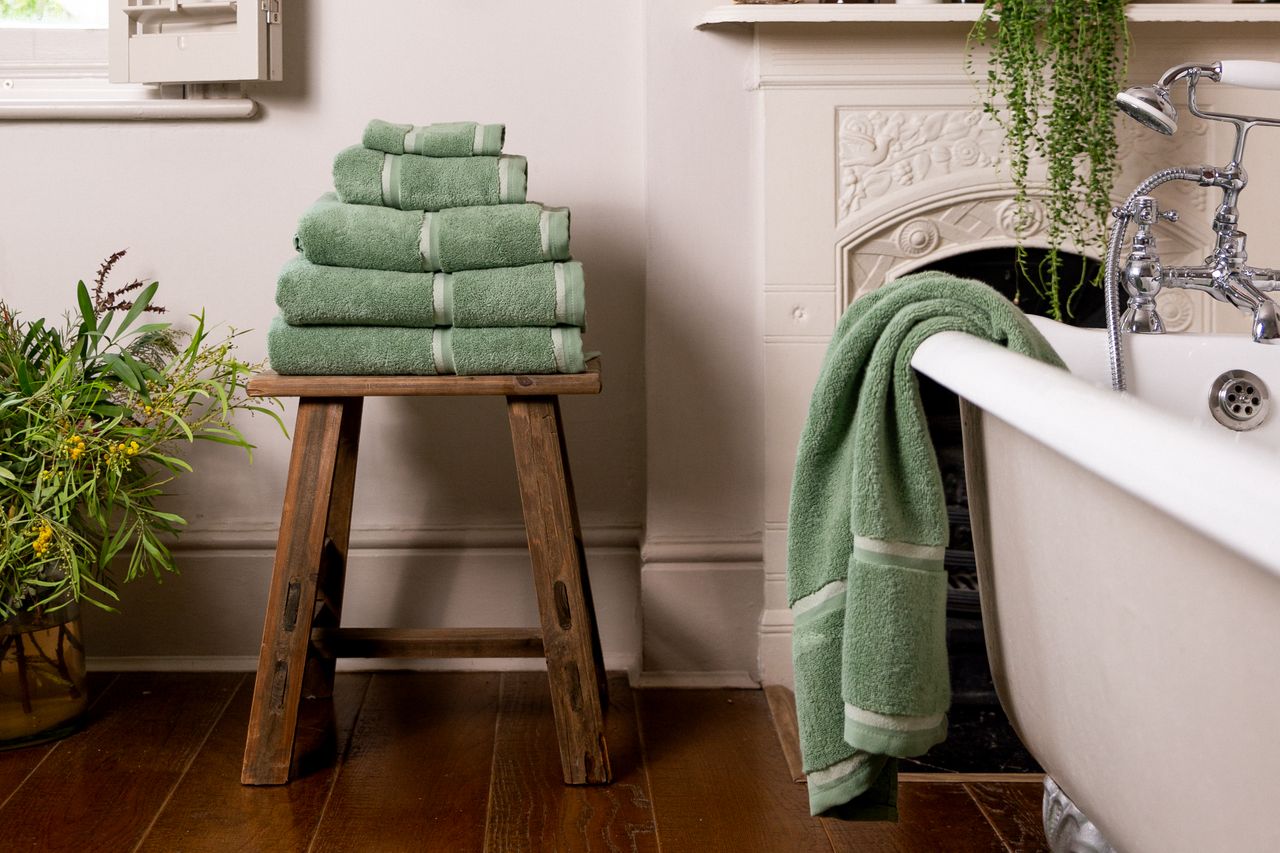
x=1129, y=553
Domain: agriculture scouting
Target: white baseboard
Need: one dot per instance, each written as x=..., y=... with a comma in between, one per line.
x=701, y=601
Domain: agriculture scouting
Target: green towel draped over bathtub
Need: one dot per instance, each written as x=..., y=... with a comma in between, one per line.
x=868, y=529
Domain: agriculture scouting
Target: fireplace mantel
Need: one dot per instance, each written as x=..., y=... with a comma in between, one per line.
x=833, y=13
x=877, y=159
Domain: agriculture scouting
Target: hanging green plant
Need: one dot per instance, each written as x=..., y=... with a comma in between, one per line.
x=1054, y=69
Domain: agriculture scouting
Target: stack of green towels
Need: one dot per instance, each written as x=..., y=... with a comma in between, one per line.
x=427, y=259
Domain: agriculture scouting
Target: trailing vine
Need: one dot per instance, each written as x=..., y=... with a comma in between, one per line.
x=1054, y=70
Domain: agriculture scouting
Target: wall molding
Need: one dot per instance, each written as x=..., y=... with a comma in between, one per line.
x=744, y=549
x=426, y=537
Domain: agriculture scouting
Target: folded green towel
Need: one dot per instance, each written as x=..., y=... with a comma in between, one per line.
x=451, y=139
x=460, y=238
x=411, y=182
x=391, y=350
x=868, y=528
x=536, y=295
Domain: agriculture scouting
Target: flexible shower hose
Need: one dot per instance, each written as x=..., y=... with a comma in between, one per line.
x=1111, y=279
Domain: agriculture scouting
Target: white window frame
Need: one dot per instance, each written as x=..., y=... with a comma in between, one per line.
x=61, y=74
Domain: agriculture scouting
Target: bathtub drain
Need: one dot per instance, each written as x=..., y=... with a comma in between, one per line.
x=1239, y=400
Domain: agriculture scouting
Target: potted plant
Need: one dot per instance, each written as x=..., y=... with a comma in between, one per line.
x=1054, y=70
x=92, y=419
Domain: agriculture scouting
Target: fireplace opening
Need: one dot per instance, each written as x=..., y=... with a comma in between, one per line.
x=980, y=738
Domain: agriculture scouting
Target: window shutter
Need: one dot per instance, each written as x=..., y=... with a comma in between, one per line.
x=203, y=41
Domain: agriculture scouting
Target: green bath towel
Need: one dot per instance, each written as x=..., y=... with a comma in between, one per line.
x=460, y=238
x=411, y=182
x=451, y=139
x=536, y=295
x=395, y=351
x=868, y=528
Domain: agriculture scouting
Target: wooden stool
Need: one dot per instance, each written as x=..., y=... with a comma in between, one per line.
x=302, y=636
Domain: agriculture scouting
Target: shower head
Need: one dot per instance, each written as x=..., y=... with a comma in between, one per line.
x=1151, y=106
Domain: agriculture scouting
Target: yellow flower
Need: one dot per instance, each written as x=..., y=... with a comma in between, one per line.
x=43, y=534
x=74, y=446
x=134, y=448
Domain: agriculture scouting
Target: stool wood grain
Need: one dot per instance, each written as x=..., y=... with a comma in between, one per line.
x=302, y=634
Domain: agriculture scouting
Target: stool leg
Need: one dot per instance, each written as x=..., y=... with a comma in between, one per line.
x=286, y=633
x=597, y=653
x=568, y=621
x=318, y=681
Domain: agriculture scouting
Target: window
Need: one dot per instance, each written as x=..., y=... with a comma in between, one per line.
x=54, y=14
x=168, y=58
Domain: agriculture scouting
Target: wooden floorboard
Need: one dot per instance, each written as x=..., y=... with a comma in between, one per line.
x=931, y=817
x=1014, y=809
x=718, y=776
x=416, y=776
x=530, y=809
x=211, y=811
x=461, y=762
x=100, y=789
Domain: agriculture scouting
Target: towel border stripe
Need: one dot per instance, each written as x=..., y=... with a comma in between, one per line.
x=412, y=139
x=892, y=722
x=440, y=304
x=805, y=603
x=562, y=292
x=899, y=549
x=424, y=244
x=839, y=770
x=557, y=344
x=386, y=179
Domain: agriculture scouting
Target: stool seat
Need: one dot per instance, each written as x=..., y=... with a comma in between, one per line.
x=302, y=634
x=271, y=384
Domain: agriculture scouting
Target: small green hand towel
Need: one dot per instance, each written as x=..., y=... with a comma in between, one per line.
x=411, y=182
x=535, y=295
x=449, y=139
x=868, y=528
x=460, y=238
x=394, y=351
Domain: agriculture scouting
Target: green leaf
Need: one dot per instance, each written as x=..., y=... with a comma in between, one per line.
x=6, y=474
x=87, y=316
x=117, y=365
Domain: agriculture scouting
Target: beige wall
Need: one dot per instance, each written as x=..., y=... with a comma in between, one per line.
x=628, y=116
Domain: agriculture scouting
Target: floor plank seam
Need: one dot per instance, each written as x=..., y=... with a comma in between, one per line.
x=231, y=694
x=1008, y=846
x=340, y=761
x=493, y=759
x=824, y=823
x=644, y=766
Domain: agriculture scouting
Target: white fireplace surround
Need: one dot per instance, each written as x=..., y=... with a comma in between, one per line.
x=877, y=161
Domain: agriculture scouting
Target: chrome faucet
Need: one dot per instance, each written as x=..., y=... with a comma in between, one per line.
x=1225, y=274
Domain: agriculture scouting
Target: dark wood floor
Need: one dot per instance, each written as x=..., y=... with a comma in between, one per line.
x=459, y=762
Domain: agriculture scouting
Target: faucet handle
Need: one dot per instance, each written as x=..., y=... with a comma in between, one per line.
x=1169, y=215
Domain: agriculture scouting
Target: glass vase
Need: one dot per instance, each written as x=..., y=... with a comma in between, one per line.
x=42, y=677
